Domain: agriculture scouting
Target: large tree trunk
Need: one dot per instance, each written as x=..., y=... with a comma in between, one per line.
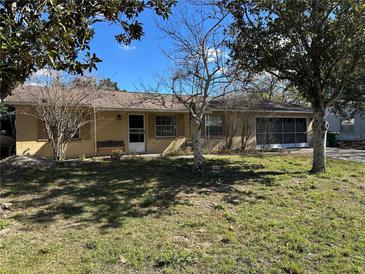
x=245, y=133
x=230, y=122
x=198, y=156
x=58, y=150
x=319, y=141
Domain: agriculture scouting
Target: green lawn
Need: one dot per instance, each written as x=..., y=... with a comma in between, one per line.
x=246, y=214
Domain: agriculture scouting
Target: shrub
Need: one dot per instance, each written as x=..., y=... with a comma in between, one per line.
x=116, y=155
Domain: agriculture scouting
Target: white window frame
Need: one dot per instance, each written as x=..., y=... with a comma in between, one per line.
x=207, y=125
x=174, y=126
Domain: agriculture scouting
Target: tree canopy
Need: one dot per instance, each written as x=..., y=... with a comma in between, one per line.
x=36, y=34
x=353, y=99
x=108, y=84
x=315, y=45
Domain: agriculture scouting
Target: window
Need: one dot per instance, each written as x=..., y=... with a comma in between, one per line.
x=136, y=121
x=279, y=131
x=214, y=125
x=348, y=125
x=76, y=135
x=165, y=126
x=136, y=128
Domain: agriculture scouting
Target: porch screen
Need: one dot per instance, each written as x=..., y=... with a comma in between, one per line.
x=270, y=131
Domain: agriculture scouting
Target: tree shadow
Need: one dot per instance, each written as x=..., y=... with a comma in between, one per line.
x=105, y=193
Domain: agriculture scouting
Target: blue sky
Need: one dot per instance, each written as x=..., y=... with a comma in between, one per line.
x=128, y=66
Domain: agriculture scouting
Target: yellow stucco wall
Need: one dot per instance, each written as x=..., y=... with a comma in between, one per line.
x=159, y=144
x=113, y=125
x=108, y=127
x=216, y=144
x=247, y=120
x=27, y=142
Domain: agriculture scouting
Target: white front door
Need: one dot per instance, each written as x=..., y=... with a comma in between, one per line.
x=136, y=133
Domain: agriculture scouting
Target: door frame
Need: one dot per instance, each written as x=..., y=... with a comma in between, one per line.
x=144, y=131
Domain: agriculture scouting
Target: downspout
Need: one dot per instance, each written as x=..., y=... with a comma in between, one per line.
x=95, y=143
x=207, y=132
x=94, y=112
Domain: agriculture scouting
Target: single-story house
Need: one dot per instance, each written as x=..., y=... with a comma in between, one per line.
x=146, y=126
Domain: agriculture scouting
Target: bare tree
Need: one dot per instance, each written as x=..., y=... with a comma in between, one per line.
x=63, y=111
x=83, y=82
x=247, y=129
x=266, y=86
x=232, y=117
x=198, y=71
x=239, y=123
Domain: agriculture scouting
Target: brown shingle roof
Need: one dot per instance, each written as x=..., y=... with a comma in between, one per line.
x=108, y=100
x=264, y=105
x=136, y=101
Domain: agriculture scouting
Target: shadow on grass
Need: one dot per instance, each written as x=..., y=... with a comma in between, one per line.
x=107, y=192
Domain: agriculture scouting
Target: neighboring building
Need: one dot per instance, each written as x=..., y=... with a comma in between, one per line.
x=349, y=128
x=147, y=127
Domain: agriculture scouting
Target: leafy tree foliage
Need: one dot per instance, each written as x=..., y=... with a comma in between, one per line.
x=353, y=99
x=315, y=45
x=37, y=34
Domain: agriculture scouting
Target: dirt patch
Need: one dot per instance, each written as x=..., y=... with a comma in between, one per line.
x=25, y=162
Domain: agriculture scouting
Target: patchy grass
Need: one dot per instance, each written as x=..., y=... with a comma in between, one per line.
x=4, y=224
x=246, y=214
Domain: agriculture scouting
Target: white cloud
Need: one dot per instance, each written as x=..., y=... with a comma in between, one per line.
x=42, y=77
x=213, y=54
x=34, y=84
x=127, y=47
x=44, y=73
